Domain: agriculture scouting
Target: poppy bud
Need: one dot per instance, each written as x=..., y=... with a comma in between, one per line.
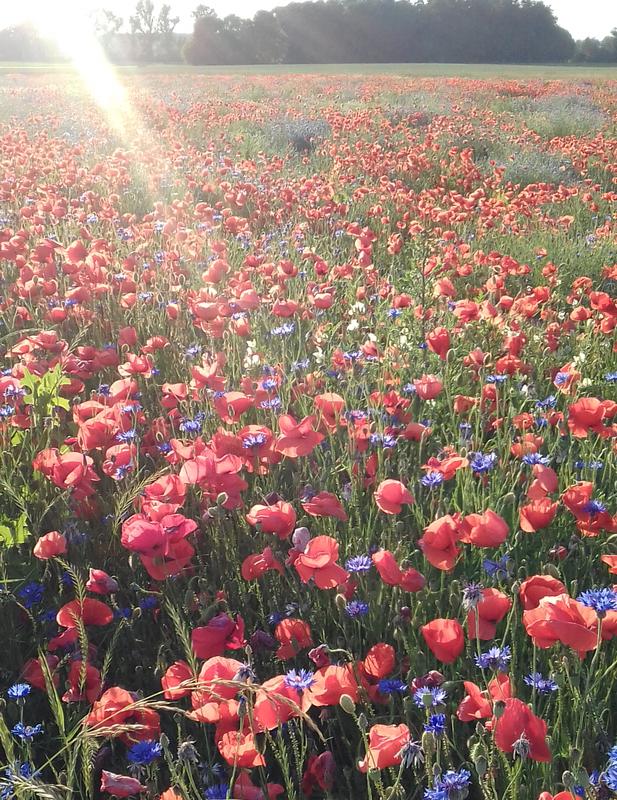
x=568, y=780
x=428, y=744
x=551, y=569
x=340, y=602
x=347, y=704
x=498, y=708
x=363, y=722
x=481, y=765
x=221, y=499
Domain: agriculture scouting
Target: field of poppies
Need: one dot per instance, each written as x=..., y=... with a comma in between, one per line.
x=308, y=419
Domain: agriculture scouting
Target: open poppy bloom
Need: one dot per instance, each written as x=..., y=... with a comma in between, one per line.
x=518, y=729
x=385, y=745
x=391, y=496
x=220, y=634
x=318, y=563
x=562, y=619
x=297, y=439
x=278, y=518
x=445, y=639
x=491, y=609
x=439, y=542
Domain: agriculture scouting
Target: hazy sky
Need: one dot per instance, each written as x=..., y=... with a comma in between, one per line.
x=581, y=17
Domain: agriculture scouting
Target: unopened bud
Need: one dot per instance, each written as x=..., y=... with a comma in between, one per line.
x=347, y=704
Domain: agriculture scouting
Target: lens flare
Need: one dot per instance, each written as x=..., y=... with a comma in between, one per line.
x=73, y=32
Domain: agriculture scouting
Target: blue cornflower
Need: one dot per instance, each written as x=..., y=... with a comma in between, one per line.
x=392, y=686
x=386, y=441
x=358, y=564
x=250, y=440
x=536, y=458
x=145, y=752
x=193, y=351
x=594, y=507
x=273, y=402
x=609, y=776
x=283, y=330
x=123, y=613
x=496, y=658
x=6, y=411
x=412, y=755
x=164, y=448
x=436, y=724
x=190, y=426
x=409, y=388
x=481, y=462
x=219, y=791
x=611, y=377
x=450, y=786
x=148, y=603
x=496, y=378
x=393, y=313
x=612, y=754
x=472, y=594
x=548, y=402
x=600, y=598
x=430, y=697
x=26, y=732
x=561, y=378
x=269, y=385
x=356, y=608
x=352, y=355
x=18, y=691
x=540, y=684
x=465, y=428
x=500, y=569
x=300, y=365
x=31, y=594
x=299, y=679
x=432, y=479
x=126, y=436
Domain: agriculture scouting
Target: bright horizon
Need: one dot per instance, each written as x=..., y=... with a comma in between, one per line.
x=582, y=19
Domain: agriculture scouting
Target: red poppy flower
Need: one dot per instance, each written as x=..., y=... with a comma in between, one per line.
x=611, y=562
x=50, y=545
x=294, y=635
x=239, y=750
x=587, y=414
x=428, y=387
x=297, y=439
x=120, y=785
x=325, y=504
x=438, y=341
x=562, y=619
x=244, y=789
x=256, y=565
x=91, y=612
x=220, y=634
x=320, y=773
x=439, y=542
x=533, y=589
x=445, y=639
x=518, y=721
x=484, y=530
x=175, y=679
x=537, y=515
x=331, y=683
x=318, y=562
x=385, y=745
x=379, y=661
x=278, y=518
x=391, y=496
x=491, y=609
x=387, y=567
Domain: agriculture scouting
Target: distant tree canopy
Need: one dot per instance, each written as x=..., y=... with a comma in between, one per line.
x=373, y=31
x=333, y=31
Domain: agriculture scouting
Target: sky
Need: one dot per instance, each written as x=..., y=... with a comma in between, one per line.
x=581, y=17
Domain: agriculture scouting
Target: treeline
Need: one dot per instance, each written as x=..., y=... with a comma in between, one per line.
x=334, y=31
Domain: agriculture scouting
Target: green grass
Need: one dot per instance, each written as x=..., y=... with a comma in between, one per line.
x=514, y=71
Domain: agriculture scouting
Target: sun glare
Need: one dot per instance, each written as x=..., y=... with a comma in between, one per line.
x=73, y=32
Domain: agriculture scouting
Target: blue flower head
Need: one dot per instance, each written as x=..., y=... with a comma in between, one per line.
x=601, y=599
x=356, y=608
x=19, y=691
x=359, y=563
x=26, y=732
x=496, y=658
x=436, y=724
x=142, y=753
x=299, y=679
x=219, y=791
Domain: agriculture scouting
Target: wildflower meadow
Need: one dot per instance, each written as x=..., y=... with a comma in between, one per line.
x=308, y=421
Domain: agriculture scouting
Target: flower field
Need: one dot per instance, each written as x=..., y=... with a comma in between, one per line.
x=308, y=419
